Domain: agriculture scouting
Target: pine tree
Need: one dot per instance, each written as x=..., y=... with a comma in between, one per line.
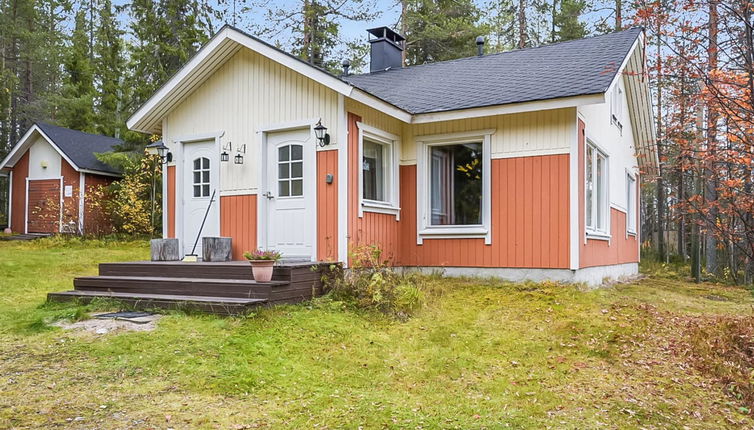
x=77, y=96
x=438, y=30
x=567, y=22
x=109, y=64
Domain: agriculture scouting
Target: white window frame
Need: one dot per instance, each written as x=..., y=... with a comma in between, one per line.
x=592, y=232
x=616, y=107
x=427, y=231
x=632, y=197
x=391, y=143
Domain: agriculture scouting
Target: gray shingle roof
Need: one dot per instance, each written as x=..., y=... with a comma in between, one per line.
x=80, y=147
x=573, y=68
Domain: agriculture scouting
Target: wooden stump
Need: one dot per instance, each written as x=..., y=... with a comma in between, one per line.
x=165, y=250
x=216, y=248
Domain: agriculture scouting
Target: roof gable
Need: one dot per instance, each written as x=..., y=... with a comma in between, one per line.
x=76, y=147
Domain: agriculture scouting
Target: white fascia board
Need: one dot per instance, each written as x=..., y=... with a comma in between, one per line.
x=24, y=144
x=624, y=63
x=382, y=106
x=141, y=121
x=510, y=108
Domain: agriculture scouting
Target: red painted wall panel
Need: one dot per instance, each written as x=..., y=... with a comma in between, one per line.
x=95, y=219
x=238, y=220
x=171, y=198
x=70, y=204
x=18, y=200
x=327, y=206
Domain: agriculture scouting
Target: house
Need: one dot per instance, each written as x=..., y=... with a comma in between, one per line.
x=52, y=172
x=523, y=164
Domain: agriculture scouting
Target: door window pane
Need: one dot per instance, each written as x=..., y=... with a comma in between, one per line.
x=201, y=177
x=456, y=184
x=290, y=171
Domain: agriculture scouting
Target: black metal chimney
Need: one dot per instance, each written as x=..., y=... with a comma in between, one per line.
x=387, y=48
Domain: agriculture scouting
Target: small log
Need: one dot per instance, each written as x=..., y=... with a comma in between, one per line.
x=165, y=250
x=216, y=248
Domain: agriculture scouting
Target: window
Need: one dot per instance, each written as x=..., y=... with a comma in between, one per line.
x=456, y=184
x=597, y=209
x=453, y=176
x=201, y=177
x=291, y=171
x=630, y=204
x=616, y=107
x=374, y=168
x=379, y=171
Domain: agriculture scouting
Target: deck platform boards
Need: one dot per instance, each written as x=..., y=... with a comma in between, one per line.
x=215, y=287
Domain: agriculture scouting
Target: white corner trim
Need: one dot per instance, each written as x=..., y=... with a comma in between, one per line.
x=342, y=179
x=82, y=196
x=60, y=209
x=10, y=198
x=26, y=207
x=424, y=229
x=573, y=204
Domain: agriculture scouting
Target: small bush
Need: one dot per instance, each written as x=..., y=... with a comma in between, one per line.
x=371, y=284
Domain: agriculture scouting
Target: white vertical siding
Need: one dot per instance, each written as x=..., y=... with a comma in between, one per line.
x=247, y=93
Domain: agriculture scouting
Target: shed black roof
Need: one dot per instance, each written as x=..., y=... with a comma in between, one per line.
x=80, y=147
x=572, y=68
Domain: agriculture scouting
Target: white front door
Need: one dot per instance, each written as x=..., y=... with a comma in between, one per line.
x=290, y=193
x=201, y=179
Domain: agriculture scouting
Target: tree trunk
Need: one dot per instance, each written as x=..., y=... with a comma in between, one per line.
x=523, y=38
x=710, y=183
x=618, y=15
x=661, y=202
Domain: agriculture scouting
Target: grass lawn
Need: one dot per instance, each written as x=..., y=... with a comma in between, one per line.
x=482, y=354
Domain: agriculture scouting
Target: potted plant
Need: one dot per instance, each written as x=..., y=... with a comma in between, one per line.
x=262, y=262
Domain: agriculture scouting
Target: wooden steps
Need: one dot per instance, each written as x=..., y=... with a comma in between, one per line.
x=216, y=305
x=224, y=288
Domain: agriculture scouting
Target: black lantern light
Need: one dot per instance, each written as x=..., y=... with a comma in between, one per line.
x=159, y=148
x=224, y=156
x=238, y=159
x=320, y=131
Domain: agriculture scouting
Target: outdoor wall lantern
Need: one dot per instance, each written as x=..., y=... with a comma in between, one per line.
x=224, y=157
x=320, y=131
x=159, y=148
x=238, y=159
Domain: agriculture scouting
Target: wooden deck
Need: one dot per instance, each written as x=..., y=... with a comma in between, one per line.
x=222, y=288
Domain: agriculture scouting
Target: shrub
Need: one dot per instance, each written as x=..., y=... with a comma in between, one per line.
x=371, y=284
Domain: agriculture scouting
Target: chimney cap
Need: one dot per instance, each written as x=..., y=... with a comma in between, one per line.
x=385, y=33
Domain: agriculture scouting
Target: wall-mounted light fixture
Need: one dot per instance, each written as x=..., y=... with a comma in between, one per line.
x=320, y=132
x=238, y=159
x=226, y=148
x=159, y=148
x=44, y=164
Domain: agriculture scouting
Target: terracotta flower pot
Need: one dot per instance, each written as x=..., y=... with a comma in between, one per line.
x=262, y=269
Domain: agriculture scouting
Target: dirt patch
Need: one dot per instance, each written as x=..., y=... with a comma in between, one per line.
x=104, y=326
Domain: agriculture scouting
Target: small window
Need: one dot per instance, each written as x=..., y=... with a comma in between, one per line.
x=456, y=184
x=631, y=204
x=291, y=171
x=201, y=177
x=375, y=169
x=597, y=208
x=616, y=108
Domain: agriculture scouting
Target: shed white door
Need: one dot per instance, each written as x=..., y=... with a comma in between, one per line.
x=291, y=200
x=200, y=179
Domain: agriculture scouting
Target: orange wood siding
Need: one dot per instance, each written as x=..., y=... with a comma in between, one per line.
x=530, y=219
x=373, y=228
x=238, y=220
x=327, y=206
x=621, y=248
x=95, y=219
x=70, y=204
x=18, y=199
x=171, y=198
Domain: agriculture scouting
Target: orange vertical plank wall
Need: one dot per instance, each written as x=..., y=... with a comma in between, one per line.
x=20, y=173
x=171, y=199
x=327, y=206
x=238, y=220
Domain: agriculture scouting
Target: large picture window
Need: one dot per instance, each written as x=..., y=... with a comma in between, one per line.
x=453, y=186
x=456, y=184
x=596, y=190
